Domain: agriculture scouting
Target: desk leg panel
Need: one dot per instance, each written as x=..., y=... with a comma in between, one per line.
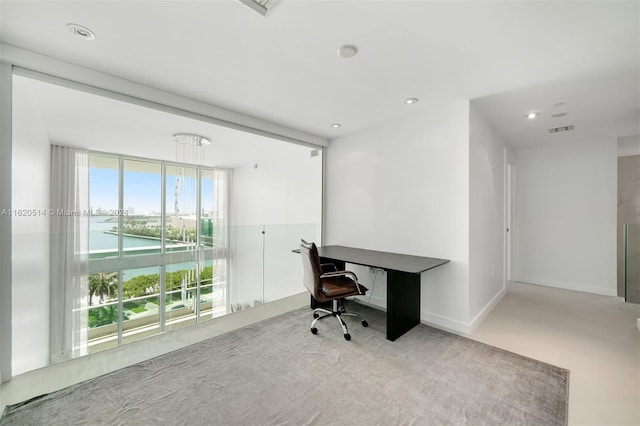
x=403, y=303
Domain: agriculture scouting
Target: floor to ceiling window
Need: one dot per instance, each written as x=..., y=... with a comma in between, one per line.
x=157, y=247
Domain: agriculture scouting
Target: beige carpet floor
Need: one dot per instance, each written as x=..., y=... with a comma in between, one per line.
x=277, y=372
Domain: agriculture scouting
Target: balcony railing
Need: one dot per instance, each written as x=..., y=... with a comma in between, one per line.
x=180, y=310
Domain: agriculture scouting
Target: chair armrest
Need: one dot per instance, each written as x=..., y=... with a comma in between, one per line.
x=343, y=274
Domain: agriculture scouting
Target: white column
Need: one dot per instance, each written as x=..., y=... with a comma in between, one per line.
x=5, y=220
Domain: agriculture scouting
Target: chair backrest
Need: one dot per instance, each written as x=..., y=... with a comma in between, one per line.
x=311, y=269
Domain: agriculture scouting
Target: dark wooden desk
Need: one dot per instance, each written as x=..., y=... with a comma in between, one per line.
x=403, y=281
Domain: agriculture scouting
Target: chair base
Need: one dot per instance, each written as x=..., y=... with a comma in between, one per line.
x=338, y=311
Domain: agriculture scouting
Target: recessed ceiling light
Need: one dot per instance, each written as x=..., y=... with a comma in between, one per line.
x=410, y=100
x=532, y=115
x=559, y=104
x=336, y=125
x=191, y=139
x=81, y=31
x=558, y=115
x=348, y=51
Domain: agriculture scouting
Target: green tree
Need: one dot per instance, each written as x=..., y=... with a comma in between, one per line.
x=101, y=284
x=137, y=286
x=206, y=274
x=174, y=280
x=104, y=315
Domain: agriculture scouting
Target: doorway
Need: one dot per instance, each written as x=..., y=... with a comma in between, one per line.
x=509, y=215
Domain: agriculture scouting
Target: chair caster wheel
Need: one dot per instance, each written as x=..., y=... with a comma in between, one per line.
x=365, y=323
x=314, y=330
x=315, y=315
x=347, y=336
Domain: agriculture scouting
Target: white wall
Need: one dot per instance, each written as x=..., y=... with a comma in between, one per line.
x=566, y=204
x=629, y=145
x=30, y=234
x=280, y=190
x=283, y=194
x=404, y=187
x=486, y=215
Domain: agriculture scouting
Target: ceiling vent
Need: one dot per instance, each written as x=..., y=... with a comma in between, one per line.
x=263, y=7
x=562, y=129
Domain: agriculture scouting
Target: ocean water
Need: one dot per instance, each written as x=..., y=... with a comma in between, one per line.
x=99, y=240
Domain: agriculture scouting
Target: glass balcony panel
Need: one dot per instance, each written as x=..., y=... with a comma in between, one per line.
x=103, y=311
x=282, y=267
x=141, y=303
x=181, y=295
x=206, y=291
x=246, y=259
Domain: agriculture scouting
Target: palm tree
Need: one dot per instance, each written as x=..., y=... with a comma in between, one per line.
x=102, y=283
x=104, y=315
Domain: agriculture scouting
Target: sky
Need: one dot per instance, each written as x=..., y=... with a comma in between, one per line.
x=142, y=192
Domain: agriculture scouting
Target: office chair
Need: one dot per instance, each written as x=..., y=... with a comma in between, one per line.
x=328, y=286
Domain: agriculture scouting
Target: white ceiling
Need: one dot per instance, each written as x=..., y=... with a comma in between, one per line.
x=77, y=118
x=519, y=55
x=598, y=107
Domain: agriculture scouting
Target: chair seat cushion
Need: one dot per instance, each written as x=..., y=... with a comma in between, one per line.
x=336, y=287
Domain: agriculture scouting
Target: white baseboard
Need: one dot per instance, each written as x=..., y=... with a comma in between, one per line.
x=444, y=323
x=570, y=286
x=433, y=320
x=460, y=327
x=477, y=320
x=440, y=321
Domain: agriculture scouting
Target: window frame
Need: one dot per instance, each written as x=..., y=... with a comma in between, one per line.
x=122, y=262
